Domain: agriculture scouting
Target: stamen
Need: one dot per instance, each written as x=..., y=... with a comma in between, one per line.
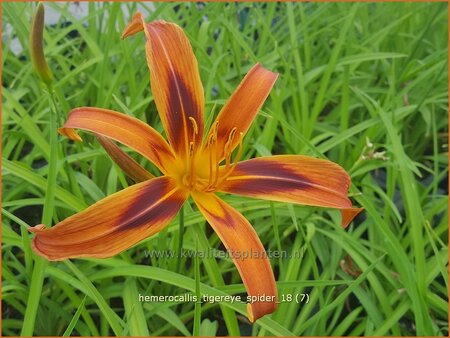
x=210, y=143
x=216, y=135
x=186, y=137
x=216, y=130
x=215, y=177
x=231, y=136
x=212, y=155
x=239, y=153
x=191, y=165
x=228, y=169
x=194, y=129
x=216, y=174
x=194, y=125
x=227, y=151
x=189, y=178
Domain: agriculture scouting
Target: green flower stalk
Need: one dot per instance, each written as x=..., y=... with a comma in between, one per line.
x=45, y=74
x=37, y=46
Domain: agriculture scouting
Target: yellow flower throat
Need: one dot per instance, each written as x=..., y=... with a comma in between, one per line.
x=200, y=169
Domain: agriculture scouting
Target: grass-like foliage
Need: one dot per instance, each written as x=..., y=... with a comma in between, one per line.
x=364, y=85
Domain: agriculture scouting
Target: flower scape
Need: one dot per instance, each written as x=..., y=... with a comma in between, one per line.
x=193, y=163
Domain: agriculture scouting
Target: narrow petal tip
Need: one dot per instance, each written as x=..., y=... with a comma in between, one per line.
x=349, y=214
x=37, y=228
x=136, y=25
x=260, y=68
x=70, y=133
x=259, y=309
x=250, y=316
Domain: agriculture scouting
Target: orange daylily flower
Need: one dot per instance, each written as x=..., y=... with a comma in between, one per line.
x=192, y=165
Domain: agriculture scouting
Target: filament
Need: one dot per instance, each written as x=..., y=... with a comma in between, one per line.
x=216, y=175
x=227, y=152
x=189, y=180
x=212, y=142
x=194, y=126
x=228, y=169
x=191, y=165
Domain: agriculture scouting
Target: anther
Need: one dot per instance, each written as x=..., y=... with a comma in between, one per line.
x=231, y=136
x=215, y=132
x=194, y=125
x=194, y=130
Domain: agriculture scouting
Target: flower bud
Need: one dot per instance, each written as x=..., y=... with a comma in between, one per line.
x=37, y=46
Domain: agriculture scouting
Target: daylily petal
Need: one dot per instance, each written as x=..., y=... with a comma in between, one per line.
x=294, y=179
x=125, y=129
x=175, y=81
x=113, y=224
x=242, y=107
x=129, y=166
x=136, y=25
x=243, y=244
